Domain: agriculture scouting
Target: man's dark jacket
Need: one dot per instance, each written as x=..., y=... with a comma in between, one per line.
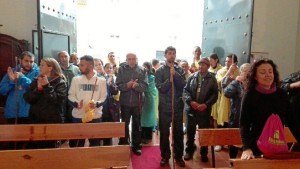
x=294, y=94
x=208, y=93
x=164, y=86
x=131, y=97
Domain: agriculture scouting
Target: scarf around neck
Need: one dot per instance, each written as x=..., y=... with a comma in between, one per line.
x=260, y=89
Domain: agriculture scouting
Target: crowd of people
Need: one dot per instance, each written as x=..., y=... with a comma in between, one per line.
x=154, y=95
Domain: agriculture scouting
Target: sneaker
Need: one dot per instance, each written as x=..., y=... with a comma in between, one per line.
x=204, y=159
x=187, y=156
x=137, y=151
x=217, y=148
x=180, y=162
x=164, y=162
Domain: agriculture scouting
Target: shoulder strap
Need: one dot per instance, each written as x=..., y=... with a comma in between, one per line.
x=94, y=88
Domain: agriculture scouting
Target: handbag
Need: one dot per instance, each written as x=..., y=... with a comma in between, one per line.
x=272, y=140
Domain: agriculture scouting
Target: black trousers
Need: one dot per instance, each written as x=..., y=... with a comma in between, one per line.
x=203, y=121
x=126, y=114
x=106, y=117
x=165, y=119
x=43, y=144
x=147, y=133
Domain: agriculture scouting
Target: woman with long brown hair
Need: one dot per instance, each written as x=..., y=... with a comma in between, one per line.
x=263, y=98
x=46, y=96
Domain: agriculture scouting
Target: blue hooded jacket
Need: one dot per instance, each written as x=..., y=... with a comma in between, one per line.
x=7, y=87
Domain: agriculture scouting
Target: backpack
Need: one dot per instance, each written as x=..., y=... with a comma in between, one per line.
x=272, y=140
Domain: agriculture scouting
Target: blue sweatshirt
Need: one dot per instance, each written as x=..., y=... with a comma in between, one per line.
x=7, y=88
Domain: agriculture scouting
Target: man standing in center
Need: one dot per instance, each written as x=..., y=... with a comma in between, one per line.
x=132, y=82
x=87, y=95
x=167, y=73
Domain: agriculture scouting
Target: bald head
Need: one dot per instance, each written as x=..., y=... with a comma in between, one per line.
x=131, y=59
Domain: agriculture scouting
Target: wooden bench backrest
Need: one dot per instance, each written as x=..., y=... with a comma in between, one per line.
x=61, y=131
x=266, y=163
x=229, y=136
x=75, y=158
x=219, y=168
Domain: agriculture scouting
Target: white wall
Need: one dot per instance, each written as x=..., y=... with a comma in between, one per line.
x=19, y=18
x=276, y=31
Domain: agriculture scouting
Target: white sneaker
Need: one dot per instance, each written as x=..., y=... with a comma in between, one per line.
x=217, y=148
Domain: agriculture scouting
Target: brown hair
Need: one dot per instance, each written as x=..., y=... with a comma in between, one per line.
x=56, y=71
x=252, y=82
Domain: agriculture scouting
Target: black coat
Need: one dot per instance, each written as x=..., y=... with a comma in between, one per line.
x=208, y=93
x=46, y=106
x=294, y=94
x=164, y=86
x=234, y=91
x=131, y=97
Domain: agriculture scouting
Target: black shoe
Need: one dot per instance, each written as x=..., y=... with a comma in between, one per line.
x=164, y=162
x=123, y=142
x=204, y=159
x=146, y=141
x=137, y=151
x=188, y=156
x=180, y=162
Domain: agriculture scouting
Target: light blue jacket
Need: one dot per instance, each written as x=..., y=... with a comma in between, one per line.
x=7, y=88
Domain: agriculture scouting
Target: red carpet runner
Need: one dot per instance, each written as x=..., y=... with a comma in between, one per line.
x=149, y=159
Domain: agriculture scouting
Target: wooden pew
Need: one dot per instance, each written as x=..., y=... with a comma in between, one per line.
x=74, y=158
x=228, y=136
x=289, y=160
x=219, y=168
x=262, y=163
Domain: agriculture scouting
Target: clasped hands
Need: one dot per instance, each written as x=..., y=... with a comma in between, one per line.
x=172, y=70
x=199, y=107
x=132, y=84
x=91, y=104
x=42, y=80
